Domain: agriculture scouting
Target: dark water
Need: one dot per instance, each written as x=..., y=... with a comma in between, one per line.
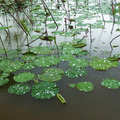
x=99, y=104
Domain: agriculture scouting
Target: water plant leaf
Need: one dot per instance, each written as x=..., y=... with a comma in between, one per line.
x=28, y=56
x=51, y=74
x=117, y=55
x=41, y=50
x=66, y=57
x=75, y=72
x=24, y=77
x=79, y=63
x=28, y=66
x=2, y=51
x=4, y=75
x=71, y=85
x=3, y=81
x=85, y=86
x=111, y=83
x=10, y=65
x=46, y=61
x=44, y=90
x=19, y=89
x=103, y=64
x=11, y=54
x=2, y=28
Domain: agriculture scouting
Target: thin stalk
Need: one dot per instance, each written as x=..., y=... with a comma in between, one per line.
x=3, y=46
x=56, y=46
x=16, y=38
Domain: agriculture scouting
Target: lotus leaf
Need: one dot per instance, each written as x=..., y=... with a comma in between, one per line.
x=72, y=85
x=11, y=54
x=103, y=64
x=79, y=62
x=28, y=57
x=46, y=61
x=51, y=74
x=4, y=75
x=29, y=66
x=84, y=86
x=117, y=55
x=10, y=66
x=2, y=51
x=40, y=50
x=110, y=83
x=24, y=77
x=75, y=73
x=3, y=81
x=67, y=57
x=44, y=90
x=19, y=89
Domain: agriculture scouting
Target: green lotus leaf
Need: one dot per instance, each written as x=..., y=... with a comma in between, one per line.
x=4, y=75
x=2, y=51
x=117, y=55
x=85, y=86
x=65, y=43
x=46, y=61
x=9, y=66
x=72, y=85
x=24, y=77
x=79, y=62
x=51, y=74
x=75, y=73
x=11, y=54
x=44, y=90
x=28, y=56
x=66, y=57
x=28, y=66
x=103, y=64
x=111, y=83
x=40, y=50
x=19, y=89
x=3, y=81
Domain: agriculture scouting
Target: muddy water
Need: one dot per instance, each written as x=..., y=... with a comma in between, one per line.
x=100, y=104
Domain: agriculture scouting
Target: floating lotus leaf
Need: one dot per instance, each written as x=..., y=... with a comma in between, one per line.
x=4, y=75
x=75, y=73
x=19, y=89
x=28, y=66
x=40, y=50
x=28, y=56
x=66, y=57
x=3, y=81
x=44, y=90
x=110, y=83
x=84, y=86
x=51, y=74
x=2, y=51
x=24, y=77
x=10, y=66
x=103, y=64
x=72, y=85
x=46, y=61
x=79, y=62
x=11, y=54
x=65, y=43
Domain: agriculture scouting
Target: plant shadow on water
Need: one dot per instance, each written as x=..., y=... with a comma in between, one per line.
x=68, y=58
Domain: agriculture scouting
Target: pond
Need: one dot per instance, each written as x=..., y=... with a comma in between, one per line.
x=70, y=72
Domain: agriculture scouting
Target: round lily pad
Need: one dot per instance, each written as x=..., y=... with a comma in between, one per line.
x=3, y=81
x=24, y=77
x=51, y=74
x=28, y=66
x=72, y=85
x=4, y=75
x=79, y=62
x=84, y=86
x=19, y=89
x=40, y=50
x=44, y=90
x=103, y=64
x=46, y=61
x=11, y=54
x=28, y=56
x=66, y=57
x=110, y=83
x=75, y=73
x=10, y=65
